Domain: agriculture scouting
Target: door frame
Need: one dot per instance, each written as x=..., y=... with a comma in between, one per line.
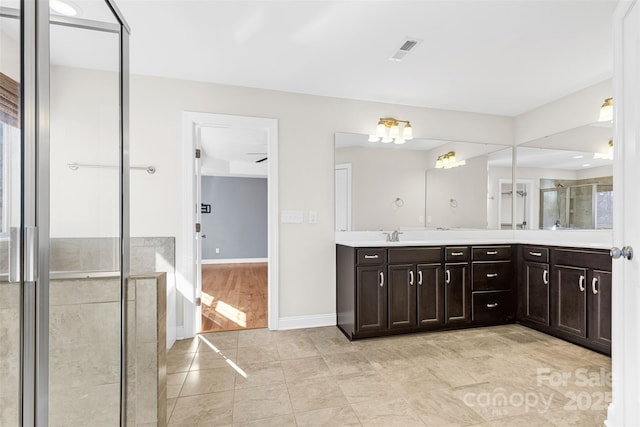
x=624, y=409
x=187, y=281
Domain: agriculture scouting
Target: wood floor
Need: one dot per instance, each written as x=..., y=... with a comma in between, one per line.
x=234, y=296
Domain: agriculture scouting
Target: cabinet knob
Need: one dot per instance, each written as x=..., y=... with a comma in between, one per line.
x=594, y=282
x=381, y=279
x=581, y=283
x=491, y=275
x=492, y=305
x=448, y=277
x=420, y=277
x=545, y=277
x=411, y=277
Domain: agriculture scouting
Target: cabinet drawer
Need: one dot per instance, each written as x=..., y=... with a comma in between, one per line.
x=491, y=253
x=493, y=306
x=456, y=253
x=372, y=256
x=582, y=258
x=491, y=276
x=535, y=253
x=415, y=255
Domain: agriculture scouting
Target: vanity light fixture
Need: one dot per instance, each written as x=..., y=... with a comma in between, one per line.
x=392, y=130
x=606, y=111
x=448, y=161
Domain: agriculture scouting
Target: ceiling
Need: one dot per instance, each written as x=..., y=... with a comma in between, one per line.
x=490, y=56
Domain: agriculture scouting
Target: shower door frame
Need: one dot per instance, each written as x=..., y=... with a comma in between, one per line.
x=35, y=22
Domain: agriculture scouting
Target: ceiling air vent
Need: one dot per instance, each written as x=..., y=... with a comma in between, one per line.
x=407, y=46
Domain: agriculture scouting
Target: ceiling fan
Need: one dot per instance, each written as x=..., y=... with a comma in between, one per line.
x=260, y=154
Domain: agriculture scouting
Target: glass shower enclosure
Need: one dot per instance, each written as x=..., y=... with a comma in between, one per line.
x=64, y=236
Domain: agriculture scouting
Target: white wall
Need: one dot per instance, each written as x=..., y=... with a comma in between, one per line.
x=575, y=110
x=84, y=129
x=379, y=177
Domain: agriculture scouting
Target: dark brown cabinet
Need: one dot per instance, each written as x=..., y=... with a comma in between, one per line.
x=492, y=284
x=415, y=288
x=600, y=288
x=561, y=291
x=457, y=287
x=430, y=295
x=570, y=300
x=581, y=298
x=361, y=291
x=535, y=289
x=371, y=298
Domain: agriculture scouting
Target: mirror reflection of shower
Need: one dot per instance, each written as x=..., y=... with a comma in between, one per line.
x=576, y=204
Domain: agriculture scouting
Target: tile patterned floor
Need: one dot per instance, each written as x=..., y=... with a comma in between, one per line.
x=497, y=376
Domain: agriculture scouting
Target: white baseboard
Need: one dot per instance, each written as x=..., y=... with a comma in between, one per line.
x=234, y=261
x=313, y=321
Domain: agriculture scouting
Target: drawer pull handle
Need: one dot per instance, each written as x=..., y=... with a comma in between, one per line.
x=535, y=253
x=381, y=279
x=594, y=281
x=581, y=283
x=492, y=305
x=411, y=277
x=448, y=277
x=420, y=277
x=545, y=277
x=492, y=252
x=490, y=275
x=371, y=257
x=457, y=253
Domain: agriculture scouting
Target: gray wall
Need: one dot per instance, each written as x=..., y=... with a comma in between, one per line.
x=237, y=224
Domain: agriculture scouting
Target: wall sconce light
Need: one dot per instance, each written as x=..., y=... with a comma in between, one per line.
x=448, y=161
x=606, y=111
x=608, y=155
x=390, y=130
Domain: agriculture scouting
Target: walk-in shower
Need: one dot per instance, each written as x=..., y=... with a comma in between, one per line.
x=64, y=235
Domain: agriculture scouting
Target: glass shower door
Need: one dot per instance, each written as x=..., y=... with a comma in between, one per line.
x=84, y=263
x=10, y=217
x=63, y=228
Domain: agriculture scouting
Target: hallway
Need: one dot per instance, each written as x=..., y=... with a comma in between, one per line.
x=234, y=296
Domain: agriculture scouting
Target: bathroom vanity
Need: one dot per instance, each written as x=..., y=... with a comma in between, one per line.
x=385, y=289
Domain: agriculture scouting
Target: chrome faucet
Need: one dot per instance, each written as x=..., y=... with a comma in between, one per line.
x=394, y=236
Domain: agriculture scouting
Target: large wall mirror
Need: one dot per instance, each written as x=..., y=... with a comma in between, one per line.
x=386, y=186
x=565, y=181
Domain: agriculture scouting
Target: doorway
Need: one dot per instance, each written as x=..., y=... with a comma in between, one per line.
x=233, y=182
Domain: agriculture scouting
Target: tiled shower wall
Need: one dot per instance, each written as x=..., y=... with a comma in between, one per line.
x=85, y=333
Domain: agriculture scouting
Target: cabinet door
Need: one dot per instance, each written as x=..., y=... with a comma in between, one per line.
x=536, y=292
x=371, y=298
x=402, y=296
x=570, y=300
x=457, y=289
x=430, y=297
x=600, y=294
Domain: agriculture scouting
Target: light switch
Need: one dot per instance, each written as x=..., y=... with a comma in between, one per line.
x=313, y=217
x=291, y=217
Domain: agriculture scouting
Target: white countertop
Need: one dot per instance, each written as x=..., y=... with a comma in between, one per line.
x=596, y=239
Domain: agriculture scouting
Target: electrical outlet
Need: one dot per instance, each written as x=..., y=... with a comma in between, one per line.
x=428, y=219
x=313, y=217
x=217, y=250
x=421, y=219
